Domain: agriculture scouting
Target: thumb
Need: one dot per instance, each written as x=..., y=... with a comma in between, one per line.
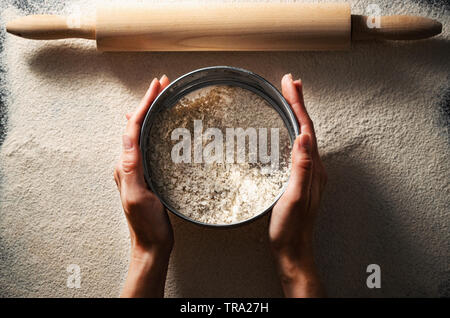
x=298, y=189
x=131, y=161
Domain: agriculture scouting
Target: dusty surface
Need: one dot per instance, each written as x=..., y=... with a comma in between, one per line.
x=381, y=114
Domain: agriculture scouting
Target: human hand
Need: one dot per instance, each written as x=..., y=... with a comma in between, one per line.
x=150, y=229
x=292, y=220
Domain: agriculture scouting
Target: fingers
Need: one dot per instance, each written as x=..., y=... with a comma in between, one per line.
x=150, y=95
x=299, y=86
x=131, y=162
x=300, y=181
x=164, y=81
x=129, y=174
x=293, y=92
x=131, y=156
x=137, y=117
x=307, y=169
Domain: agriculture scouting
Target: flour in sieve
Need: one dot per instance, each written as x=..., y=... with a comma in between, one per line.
x=218, y=192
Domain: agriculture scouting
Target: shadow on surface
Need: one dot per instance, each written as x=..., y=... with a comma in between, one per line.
x=365, y=64
x=224, y=262
x=356, y=225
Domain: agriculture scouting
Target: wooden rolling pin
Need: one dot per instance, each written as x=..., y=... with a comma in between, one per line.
x=225, y=27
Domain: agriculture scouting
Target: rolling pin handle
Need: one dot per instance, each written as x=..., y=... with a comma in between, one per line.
x=395, y=27
x=50, y=27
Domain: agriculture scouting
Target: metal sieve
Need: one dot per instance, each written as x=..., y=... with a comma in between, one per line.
x=211, y=76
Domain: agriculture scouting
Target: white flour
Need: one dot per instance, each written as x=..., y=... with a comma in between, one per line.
x=382, y=131
x=219, y=192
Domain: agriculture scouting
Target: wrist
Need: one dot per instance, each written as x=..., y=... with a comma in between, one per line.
x=298, y=273
x=299, y=251
x=145, y=249
x=292, y=262
x=152, y=255
x=146, y=274
x=300, y=282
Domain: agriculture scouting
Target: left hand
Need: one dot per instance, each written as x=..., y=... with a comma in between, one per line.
x=150, y=229
x=148, y=222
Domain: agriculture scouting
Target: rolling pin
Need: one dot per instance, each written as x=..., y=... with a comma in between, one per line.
x=225, y=27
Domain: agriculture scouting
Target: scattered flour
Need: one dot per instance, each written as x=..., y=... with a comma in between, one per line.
x=219, y=192
x=381, y=117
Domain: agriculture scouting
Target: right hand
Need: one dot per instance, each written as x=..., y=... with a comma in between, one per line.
x=292, y=220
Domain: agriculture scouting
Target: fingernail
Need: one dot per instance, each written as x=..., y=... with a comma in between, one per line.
x=288, y=76
x=153, y=82
x=305, y=142
x=126, y=142
x=163, y=77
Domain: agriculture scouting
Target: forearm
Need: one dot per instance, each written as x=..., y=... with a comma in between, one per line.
x=299, y=276
x=146, y=275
